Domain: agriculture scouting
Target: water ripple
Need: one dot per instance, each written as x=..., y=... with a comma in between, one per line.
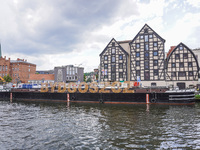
x=97, y=126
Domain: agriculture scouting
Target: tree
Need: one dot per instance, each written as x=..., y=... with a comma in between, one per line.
x=84, y=77
x=88, y=80
x=97, y=76
x=7, y=78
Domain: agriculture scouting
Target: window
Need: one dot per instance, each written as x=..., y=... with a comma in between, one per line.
x=137, y=72
x=120, y=57
x=105, y=76
x=6, y=67
x=137, y=63
x=146, y=56
x=181, y=74
x=155, y=72
x=150, y=36
x=173, y=65
x=155, y=62
x=0, y=68
x=3, y=68
x=173, y=74
x=121, y=75
x=105, y=66
x=153, y=84
x=105, y=57
x=137, y=54
x=138, y=45
x=146, y=65
x=113, y=77
x=155, y=44
x=141, y=37
x=146, y=47
x=155, y=53
x=120, y=66
x=113, y=43
x=181, y=48
x=190, y=73
x=113, y=68
x=146, y=30
x=185, y=55
x=177, y=56
x=113, y=58
x=189, y=64
x=181, y=65
x=113, y=50
x=146, y=38
x=146, y=75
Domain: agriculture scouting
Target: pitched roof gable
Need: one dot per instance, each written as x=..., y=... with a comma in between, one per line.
x=147, y=26
x=113, y=40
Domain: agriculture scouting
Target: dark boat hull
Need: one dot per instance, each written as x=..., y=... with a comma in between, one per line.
x=115, y=98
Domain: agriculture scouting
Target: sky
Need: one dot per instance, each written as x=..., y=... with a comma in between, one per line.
x=52, y=33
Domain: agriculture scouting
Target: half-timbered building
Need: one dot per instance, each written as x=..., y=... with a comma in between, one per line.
x=113, y=62
x=147, y=57
x=182, y=67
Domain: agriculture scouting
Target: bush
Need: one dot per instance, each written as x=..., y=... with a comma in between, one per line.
x=197, y=96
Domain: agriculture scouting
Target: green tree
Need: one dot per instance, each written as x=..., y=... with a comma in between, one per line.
x=84, y=77
x=88, y=80
x=97, y=76
x=7, y=78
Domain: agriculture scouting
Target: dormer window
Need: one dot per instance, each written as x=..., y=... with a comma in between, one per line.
x=146, y=30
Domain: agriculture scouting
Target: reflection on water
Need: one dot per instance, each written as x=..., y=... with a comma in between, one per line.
x=98, y=126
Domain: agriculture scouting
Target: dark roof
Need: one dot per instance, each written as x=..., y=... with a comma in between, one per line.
x=185, y=47
x=146, y=25
x=117, y=43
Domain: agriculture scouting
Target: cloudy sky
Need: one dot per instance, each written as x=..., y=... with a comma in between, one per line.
x=53, y=33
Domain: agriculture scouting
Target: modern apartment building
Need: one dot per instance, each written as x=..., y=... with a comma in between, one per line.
x=69, y=73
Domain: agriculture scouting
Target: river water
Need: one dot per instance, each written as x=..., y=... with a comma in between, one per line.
x=98, y=126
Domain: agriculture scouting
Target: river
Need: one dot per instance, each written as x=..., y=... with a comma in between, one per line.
x=98, y=126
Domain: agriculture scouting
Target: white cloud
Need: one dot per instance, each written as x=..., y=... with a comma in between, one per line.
x=55, y=33
x=194, y=3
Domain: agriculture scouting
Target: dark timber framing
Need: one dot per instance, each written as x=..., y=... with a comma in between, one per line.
x=182, y=65
x=147, y=56
x=113, y=62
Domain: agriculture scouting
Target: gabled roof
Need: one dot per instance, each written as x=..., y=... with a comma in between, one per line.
x=168, y=57
x=118, y=45
x=171, y=49
x=150, y=29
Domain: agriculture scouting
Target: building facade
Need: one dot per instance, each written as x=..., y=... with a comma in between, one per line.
x=182, y=67
x=19, y=70
x=69, y=73
x=114, y=63
x=41, y=78
x=143, y=59
x=147, y=56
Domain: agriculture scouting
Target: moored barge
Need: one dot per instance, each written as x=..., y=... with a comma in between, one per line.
x=138, y=96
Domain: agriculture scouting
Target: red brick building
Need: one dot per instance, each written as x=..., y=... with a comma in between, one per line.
x=19, y=69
